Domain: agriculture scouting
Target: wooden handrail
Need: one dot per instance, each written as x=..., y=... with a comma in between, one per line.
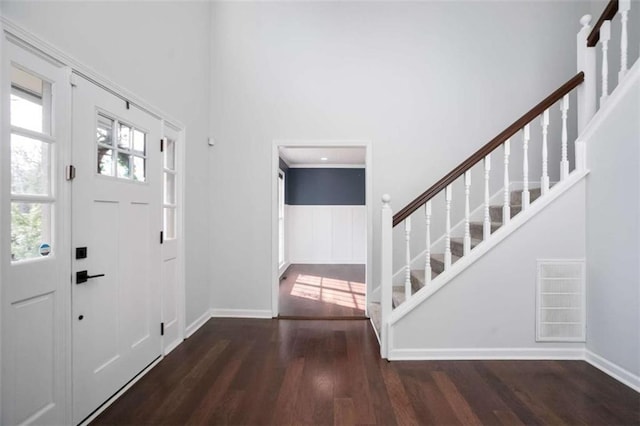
x=488, y=148
x=607, y=14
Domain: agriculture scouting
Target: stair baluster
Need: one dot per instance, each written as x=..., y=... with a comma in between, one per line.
x=447, y=240
x=467, y=232
x=506, y=207
x=623, y=8
x=564, y=163
x=407, y=270
x=486, y=227
x=605, y=36
x=544, y=122
x=427, y=262
x=526, y=197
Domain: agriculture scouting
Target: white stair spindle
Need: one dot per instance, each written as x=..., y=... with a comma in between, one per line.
x=586, y=62
x=544, y=122
x=427, y=262
x=506, y=207
x=605, y=36
x=486, y=228
x=467, y=230
x=386, y=270
x=407, y=270
x=447, y=240
x=564, y=163
x=623, y=8
x=526, y=197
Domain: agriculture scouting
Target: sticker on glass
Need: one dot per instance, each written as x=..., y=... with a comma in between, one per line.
x=45, y=249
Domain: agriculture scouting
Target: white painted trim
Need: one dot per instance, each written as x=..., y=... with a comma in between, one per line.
x=240, y=313
x=275, y=165
x=496, y=238
x=194, y=326
x=327, y=166
x=172, y=346
x=375, y=331
x=282, y=269
x=485, y=353
x=614, y=370
x=121, y=392
x=37, y=43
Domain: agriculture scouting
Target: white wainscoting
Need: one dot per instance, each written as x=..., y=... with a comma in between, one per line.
x=326, y=234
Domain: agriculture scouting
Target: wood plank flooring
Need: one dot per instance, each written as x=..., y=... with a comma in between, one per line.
x=277, y=372
x=322, y=291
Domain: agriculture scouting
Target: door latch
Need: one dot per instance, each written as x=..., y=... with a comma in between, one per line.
x=83, y=277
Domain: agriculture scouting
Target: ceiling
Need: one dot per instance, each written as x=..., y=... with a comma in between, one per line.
x=298, y=156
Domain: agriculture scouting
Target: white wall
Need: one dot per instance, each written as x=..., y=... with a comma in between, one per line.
x=427, y=82
x=159, y=51
x=492, y=303
x=326, y=234
x=613, y=234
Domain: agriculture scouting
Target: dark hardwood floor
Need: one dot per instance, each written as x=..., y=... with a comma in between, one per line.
x=259, y=372
x=323, y=291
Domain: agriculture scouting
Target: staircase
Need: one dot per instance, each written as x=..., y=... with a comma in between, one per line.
x=422, y=275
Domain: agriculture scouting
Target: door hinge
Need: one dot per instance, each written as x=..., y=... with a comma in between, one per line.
x=70, y=172
x=127, y=104
x=162, y=329
x=73, y=80
x=161, y=237
x=162, y=140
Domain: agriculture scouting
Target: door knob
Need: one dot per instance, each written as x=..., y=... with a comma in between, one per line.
x=83, y=276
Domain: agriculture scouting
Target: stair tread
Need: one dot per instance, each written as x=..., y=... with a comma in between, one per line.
x=460, y=240
x=439, y=257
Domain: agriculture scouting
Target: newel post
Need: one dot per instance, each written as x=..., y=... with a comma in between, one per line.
x=586, y=62
x=386, y=272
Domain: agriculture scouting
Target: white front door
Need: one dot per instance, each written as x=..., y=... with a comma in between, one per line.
x=116, y=217
x=34, y=260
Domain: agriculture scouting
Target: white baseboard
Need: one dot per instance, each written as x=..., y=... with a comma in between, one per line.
x=328, y=262
x=283, y=268
x=194, y=326
x=172, y=346
x=485, y=353
x=613, y=370
x=241, y=313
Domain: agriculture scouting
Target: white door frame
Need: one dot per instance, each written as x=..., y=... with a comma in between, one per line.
x=275, y=166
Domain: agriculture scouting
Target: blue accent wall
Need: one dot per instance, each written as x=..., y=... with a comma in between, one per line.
x=317, y=187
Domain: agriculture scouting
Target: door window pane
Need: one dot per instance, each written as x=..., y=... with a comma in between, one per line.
x=30, y=101
x=124, y=137
x=30, y=167
x=105, y=130
x=124, y=165
x=170, y=223
x=169, y=188
x=139, y=142
x=30, y=230
x=105, y=161
x=170, y=155
x=139, y=169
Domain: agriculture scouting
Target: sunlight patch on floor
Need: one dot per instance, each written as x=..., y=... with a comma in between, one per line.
x=330, y=290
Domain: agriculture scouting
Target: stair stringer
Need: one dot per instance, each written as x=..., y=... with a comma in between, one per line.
x=420, y=298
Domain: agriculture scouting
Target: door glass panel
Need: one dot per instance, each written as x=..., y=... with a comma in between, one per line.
x=170, y=155
x=169, y=188
x=124, y=137
x=30, y=230
x=105, y=161
x=30, y=101
x=139, y=169
x=30, y=168
x=170, y=223
x=139, y=142
x=105, y=130
x=124, y=165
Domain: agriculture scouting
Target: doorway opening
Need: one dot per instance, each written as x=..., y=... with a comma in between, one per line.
x=322, y=234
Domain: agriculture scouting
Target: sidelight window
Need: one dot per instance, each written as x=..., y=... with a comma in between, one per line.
x=32, y=150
